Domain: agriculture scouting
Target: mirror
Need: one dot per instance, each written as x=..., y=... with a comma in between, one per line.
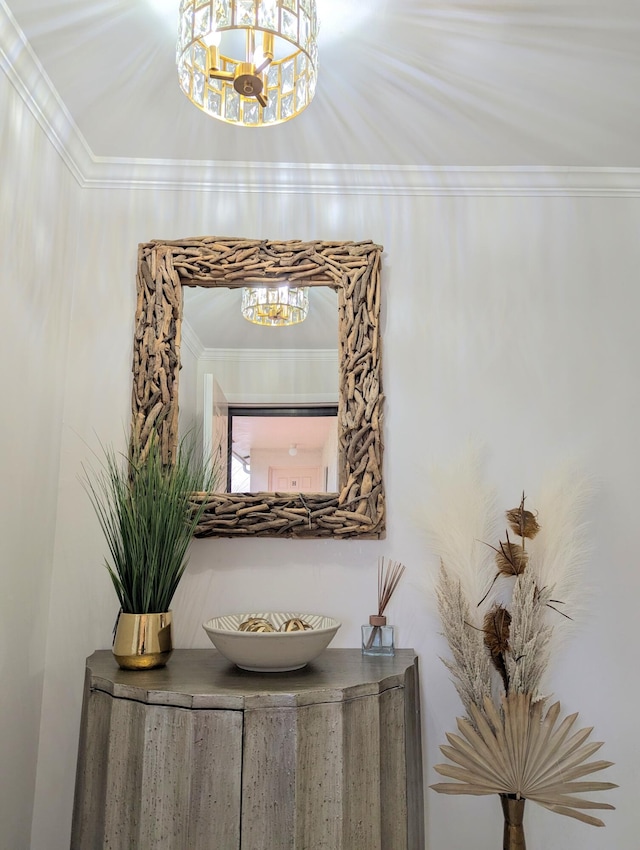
x=290, y=373
x=352, y=270
x=284, y=449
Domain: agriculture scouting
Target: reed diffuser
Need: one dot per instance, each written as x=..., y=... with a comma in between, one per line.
x=377, y=636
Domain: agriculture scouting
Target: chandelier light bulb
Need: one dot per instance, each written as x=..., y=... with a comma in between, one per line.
x=212, y=38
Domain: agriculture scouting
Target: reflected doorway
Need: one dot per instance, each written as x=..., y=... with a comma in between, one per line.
x=282, y=449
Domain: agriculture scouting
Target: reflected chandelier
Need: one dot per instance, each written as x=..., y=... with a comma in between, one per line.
x=251, y=63
x=275, y=305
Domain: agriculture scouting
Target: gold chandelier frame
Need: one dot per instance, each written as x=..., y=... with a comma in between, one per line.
x=260, y=87
x=275, y=306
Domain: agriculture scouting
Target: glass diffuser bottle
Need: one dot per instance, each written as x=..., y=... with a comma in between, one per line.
x=378, y=637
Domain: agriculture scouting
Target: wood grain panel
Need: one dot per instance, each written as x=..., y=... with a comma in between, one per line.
x=393, y=770
x=269, y=780
x=361, y=774
x=201, y=756
x=413, y=744
x=90, y=795
x=158, y=777
x=319, y=781
x=215, y=766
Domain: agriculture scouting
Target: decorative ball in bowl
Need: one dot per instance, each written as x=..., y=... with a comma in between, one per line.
x=271, y=642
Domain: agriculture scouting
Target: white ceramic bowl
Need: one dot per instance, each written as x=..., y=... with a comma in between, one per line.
x=271, y=652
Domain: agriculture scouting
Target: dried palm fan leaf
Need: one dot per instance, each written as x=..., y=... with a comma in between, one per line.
x=523, y=752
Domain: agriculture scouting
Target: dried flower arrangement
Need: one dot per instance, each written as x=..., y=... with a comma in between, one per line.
x=500, y=615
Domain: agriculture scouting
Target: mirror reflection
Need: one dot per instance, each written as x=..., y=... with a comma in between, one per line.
x=283, y=450
x=262, y=399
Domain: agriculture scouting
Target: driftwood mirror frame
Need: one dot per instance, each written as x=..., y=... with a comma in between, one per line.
x=353, y=270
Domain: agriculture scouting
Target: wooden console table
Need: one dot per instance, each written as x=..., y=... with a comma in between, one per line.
x=203, y=756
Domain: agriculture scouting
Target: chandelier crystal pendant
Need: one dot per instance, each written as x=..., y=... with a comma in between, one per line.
x=252, y=63
x=275, y=305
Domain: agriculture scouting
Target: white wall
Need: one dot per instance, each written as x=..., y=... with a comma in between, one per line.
x=270, y=376
x=512, y=319
x=96, y=412
x=37, y=194
x=262, y=460
x=190, y=422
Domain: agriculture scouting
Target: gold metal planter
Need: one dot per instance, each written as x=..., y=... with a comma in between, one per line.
x=143, y=641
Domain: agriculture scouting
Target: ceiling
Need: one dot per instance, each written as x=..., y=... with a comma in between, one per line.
x=402, y=82
x=299, y=433
x=214, y=315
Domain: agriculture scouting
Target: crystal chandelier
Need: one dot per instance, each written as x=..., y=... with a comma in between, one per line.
x=251, y=63
x=275, y=305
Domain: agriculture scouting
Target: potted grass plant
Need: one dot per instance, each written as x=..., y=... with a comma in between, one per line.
x=148, y=511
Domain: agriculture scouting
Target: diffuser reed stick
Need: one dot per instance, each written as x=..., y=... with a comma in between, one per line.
x=387, y=582
x=388, y=577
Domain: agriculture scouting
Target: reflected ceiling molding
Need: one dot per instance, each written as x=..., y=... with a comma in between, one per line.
x=278, y=399
x=275, y=355
x=191, y=341
x=259, y=357
x=26, y=74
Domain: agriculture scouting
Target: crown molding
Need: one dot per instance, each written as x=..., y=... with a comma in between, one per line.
x=191, y=340
x=270, y=355
x=281, y=399
x=382, y=180
x=27, y=75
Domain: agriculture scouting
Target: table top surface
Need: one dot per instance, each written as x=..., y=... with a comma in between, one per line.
x=202, y=678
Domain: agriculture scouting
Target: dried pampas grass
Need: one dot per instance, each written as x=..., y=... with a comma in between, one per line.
x=464, y=514
x=530, y=649
x=470, y=668
x=559, y=552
